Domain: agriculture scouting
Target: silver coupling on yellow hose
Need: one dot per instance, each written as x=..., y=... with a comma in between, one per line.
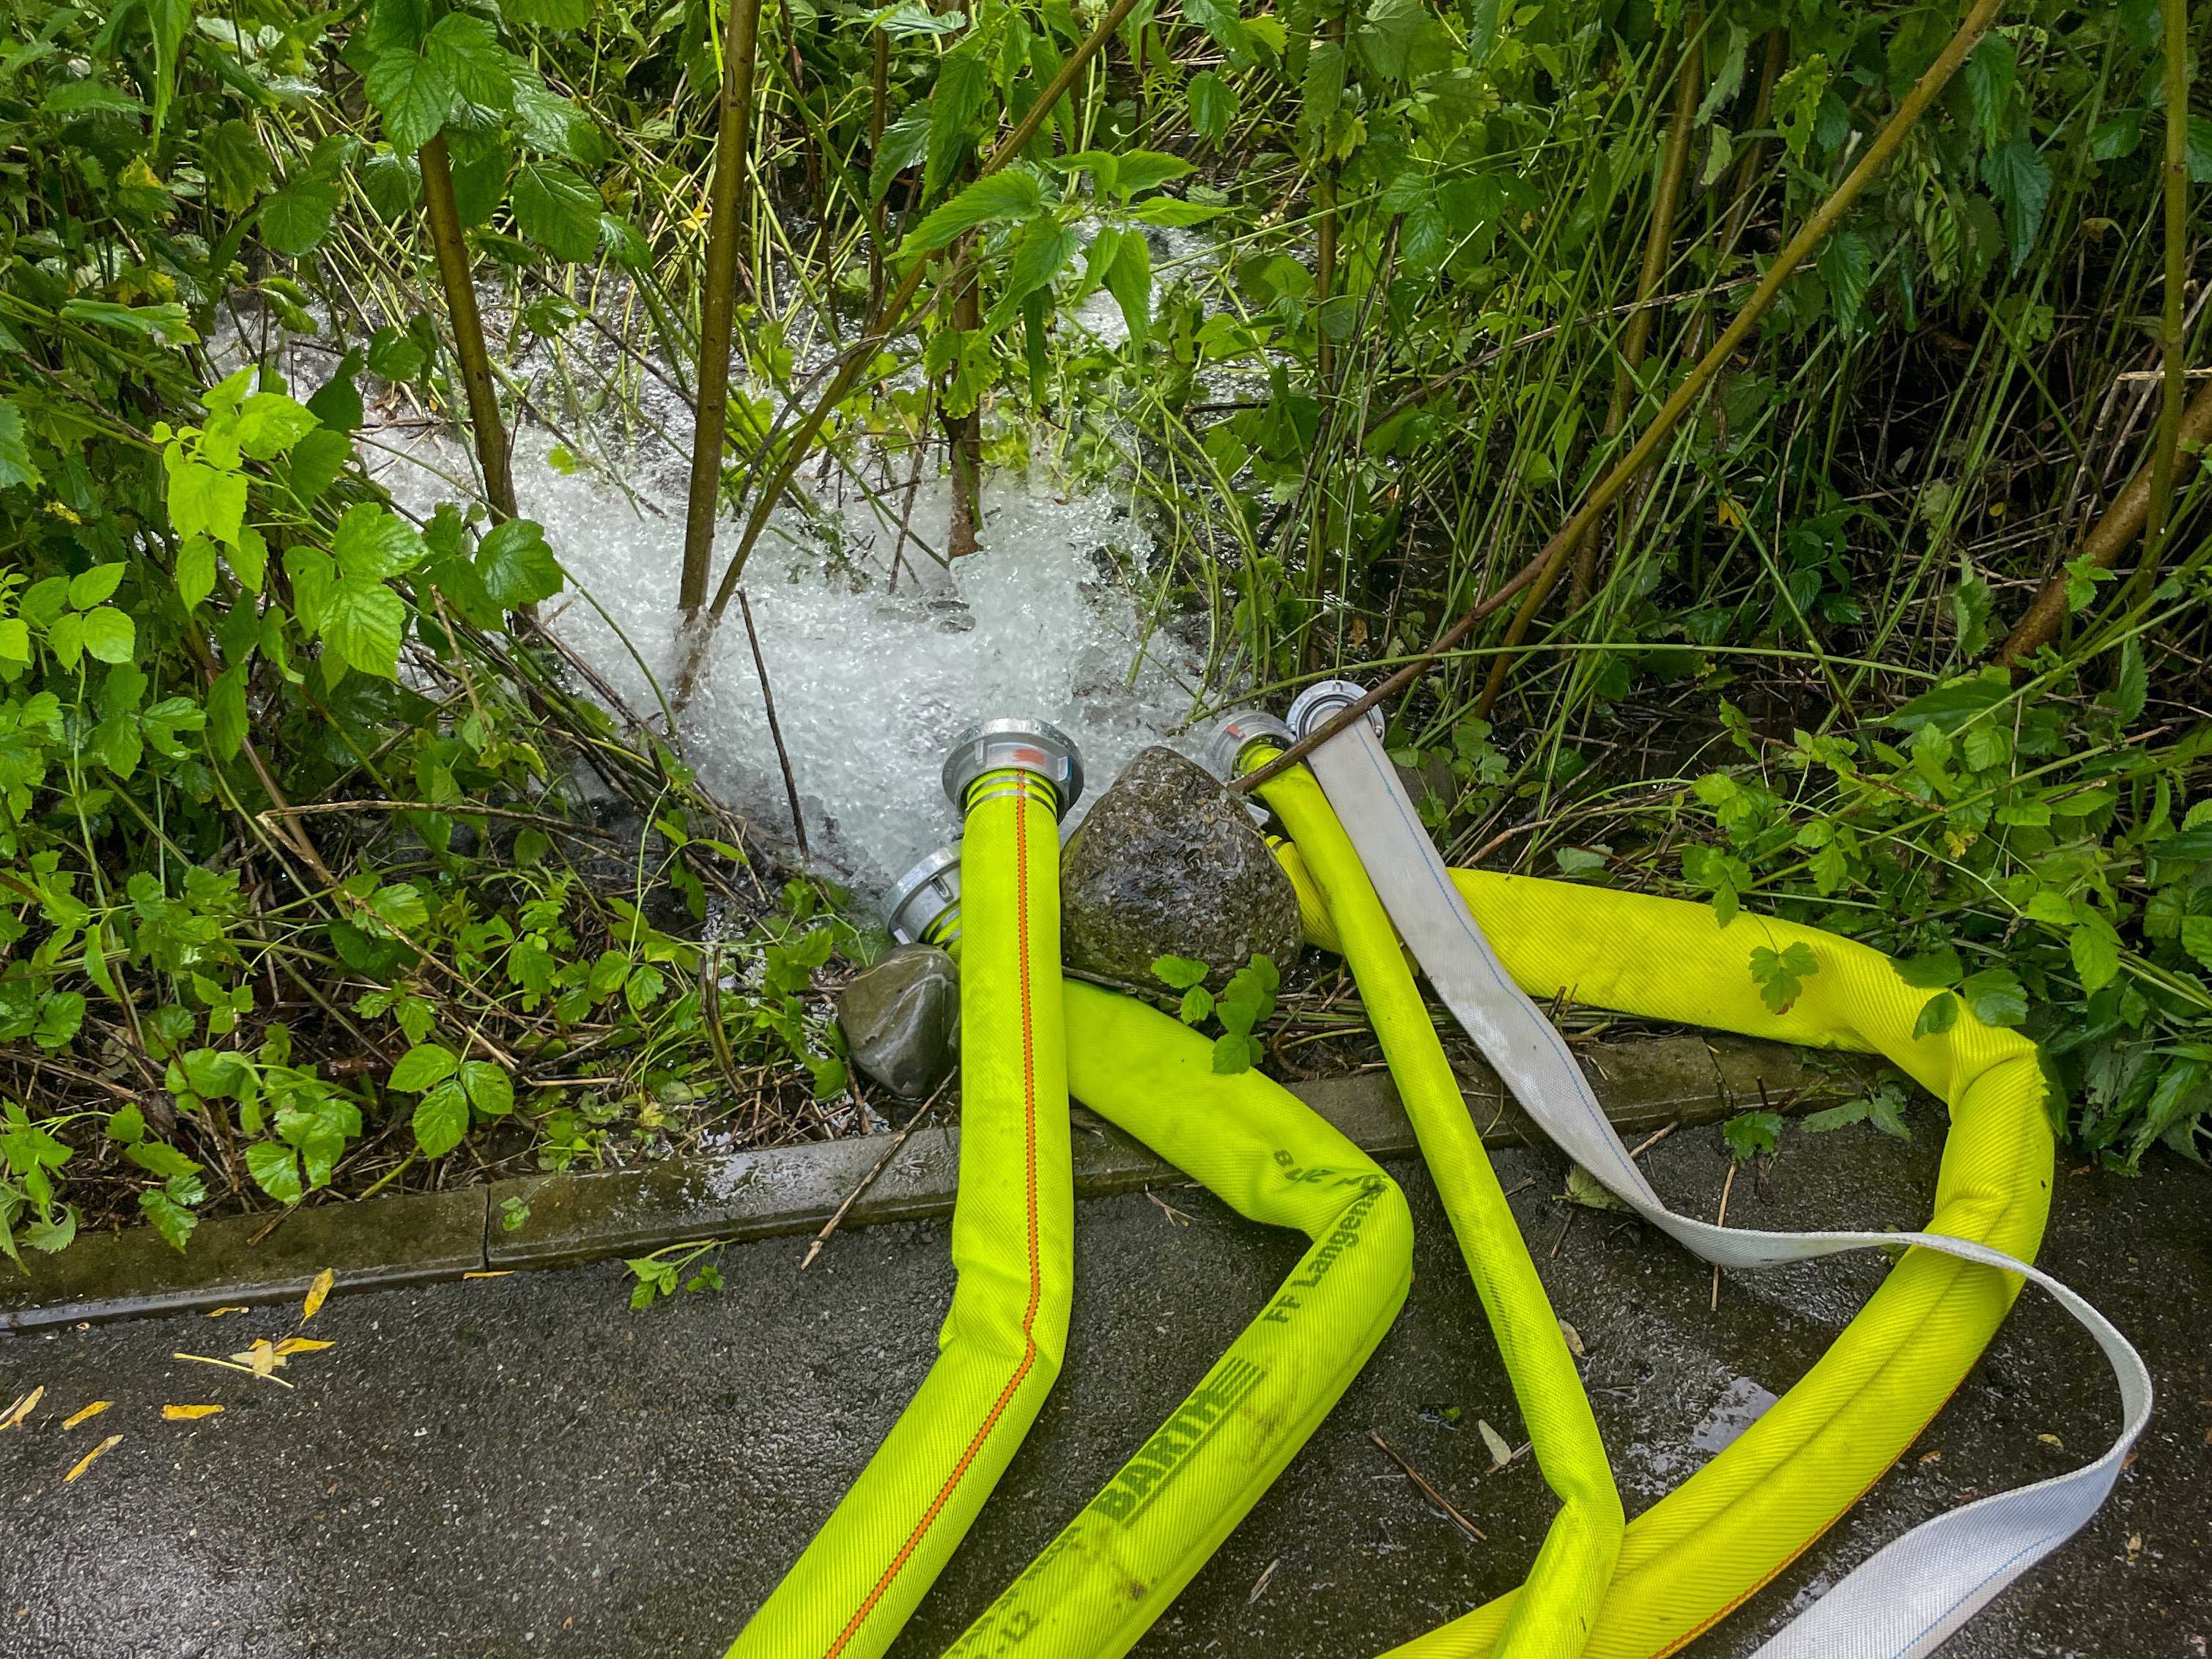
x=1015, y=745
x=1239, y=732
x=1317, y=704
x=925, y=906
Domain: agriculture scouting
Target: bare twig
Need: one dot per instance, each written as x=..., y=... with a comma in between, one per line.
x=1427, y=1491
x=774, y=730
x=869, y=1179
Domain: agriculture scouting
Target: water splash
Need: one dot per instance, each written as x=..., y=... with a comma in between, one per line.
x=875, y=663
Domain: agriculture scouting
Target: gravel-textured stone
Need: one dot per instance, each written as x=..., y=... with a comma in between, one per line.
x=1168, y=863
x=901, y=1015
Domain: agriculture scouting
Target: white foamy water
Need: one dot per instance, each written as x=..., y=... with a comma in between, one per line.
x=872, y=678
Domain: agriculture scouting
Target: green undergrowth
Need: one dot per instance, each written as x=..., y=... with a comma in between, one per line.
x=324, y=869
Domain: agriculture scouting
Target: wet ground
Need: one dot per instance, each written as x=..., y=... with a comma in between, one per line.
x=522, y=1465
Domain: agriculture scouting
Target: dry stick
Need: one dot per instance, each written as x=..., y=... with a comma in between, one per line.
x=718, y=303
x=1686, y=396
x=869, y=1179
x=2176, y=182
x=774, y=730
x=2109, y=537
x=887, y=323
x=1658, y=246
x=1428, y=1491
x=454, y=275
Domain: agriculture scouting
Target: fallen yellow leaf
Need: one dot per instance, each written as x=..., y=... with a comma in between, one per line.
x=24, y=1405
x=86, y=1461
x=318, y=1293
x=300, y=1345
x=188, y=1414
x=93, y=1410
x=217, y=1312
x=503, y=1273
x=261, y=1359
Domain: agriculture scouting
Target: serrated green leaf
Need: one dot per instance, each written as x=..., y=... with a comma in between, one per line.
x=95, y=585
x=516, y=565
x=393, y=183
x=1129, y=280
x=2020, y=179
x=204, y=502
x=1179, y=972
x=557, y=209
x=414, y=97
x=423, y=1067
x=1212, y=103
x=275, y=1170
x=489, y=1088
x=269, y=423
x=1995, y=997
x=1752, y=1134
x=169, y=1219
x=365, y=624
x=109, y=634
x=1017, y=193
x=294, y=220
x=372, y=542
x=465, y=50
x=441, y=1119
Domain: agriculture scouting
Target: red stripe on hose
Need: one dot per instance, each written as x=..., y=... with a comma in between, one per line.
x=1036, y=1273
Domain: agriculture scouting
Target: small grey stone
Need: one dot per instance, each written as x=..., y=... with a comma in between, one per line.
x=900, y=1015
x=1168, y=863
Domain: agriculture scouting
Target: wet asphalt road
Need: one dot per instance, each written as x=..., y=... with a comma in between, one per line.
x=521, y=1465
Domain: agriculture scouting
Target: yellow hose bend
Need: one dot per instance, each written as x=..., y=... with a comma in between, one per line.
x=1098, y=1586
x=1012, y=1237
x=1560, y=1606
x=1710, y=1544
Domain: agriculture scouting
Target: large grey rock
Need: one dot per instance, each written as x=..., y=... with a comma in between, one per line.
x=900, y=1015
x=1168, y=863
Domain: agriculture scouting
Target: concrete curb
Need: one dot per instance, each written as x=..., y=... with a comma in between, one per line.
x=410, y=1238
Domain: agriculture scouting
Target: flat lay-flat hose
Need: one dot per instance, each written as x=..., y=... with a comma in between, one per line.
x=1712, y=1542
x=1115, y=1569
x=1558, y=1608
x=1012, y=1242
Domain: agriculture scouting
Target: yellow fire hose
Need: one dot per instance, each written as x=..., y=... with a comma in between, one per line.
x=1125, y=1556
x=1012, y=1242
x=1711, y=1543
x=1685, y=1562
x=1099, y=1585
x=1558, y=1607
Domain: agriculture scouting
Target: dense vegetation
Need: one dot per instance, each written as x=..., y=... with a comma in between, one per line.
x=323, y=859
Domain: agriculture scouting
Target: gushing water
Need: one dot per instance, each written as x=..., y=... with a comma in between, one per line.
x=874, y=669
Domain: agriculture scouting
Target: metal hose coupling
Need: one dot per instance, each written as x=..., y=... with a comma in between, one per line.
x=1014, y=745
x=1238, y=733
x=1322, y=701
x=925, y=907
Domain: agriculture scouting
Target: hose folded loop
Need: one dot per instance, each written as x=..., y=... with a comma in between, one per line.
x=1119, y=1564
x=1490, y=943
x=1002, y=1343
x=1558, y=1610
